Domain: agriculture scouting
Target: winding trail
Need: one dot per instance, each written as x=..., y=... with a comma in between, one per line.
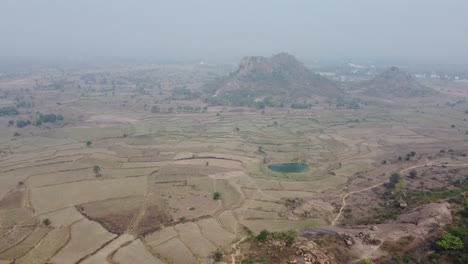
x=428, y=163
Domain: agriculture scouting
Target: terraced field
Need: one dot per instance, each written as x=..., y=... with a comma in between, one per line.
x=153, y=200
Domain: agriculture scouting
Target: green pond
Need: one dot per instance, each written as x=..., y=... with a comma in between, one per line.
x=289, y=167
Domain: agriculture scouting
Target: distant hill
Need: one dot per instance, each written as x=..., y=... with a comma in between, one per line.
x=394, y=83
x=281, y=77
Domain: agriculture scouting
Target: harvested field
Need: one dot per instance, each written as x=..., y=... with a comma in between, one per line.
x=212, y=230
x=175, y=186
x=46, y=248
x=24, y=246
x=109, y=250
x=86, y=191
x=135, y=252
x=191, y=236
x=115, y=215
x=175, y=251
x=86, y=237
x=62, y=217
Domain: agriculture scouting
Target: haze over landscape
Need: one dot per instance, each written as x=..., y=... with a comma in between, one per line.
x=425, y=31
x=241, y=132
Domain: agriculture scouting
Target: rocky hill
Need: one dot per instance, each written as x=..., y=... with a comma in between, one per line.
x=394, y=83
x=280, y=77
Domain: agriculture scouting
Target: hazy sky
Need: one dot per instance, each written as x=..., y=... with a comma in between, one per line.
x=432, y=30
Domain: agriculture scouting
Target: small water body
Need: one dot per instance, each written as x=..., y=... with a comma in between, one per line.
x=289, y=167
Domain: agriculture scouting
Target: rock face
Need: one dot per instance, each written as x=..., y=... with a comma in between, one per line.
x=280, y=76
x=395, y=83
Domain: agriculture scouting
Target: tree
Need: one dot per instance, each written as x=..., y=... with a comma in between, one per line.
x=450, y=243
x=88, y=143
x=97, y=170
x=394, y=179
x=413, y=174
x=46, y=222
x=216, y=196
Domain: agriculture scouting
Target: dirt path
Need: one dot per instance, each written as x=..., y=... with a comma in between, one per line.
x=237, y=251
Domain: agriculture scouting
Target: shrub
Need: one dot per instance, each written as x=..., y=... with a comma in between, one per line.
x=88, y=143
x=450, y=243
x=262, y=236
x=216, y=196
x=218, y=255
x=46, y=222
x=413, y=174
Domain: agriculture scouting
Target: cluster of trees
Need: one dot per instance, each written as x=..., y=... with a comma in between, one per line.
x=23, y=123
x=183, y=93
x=8, y=110
x=239, y=97
x=24, y=104
x=408, y=156
x=191, y=109
x=354, y=103
x=288, y=237
x=181, y=109
x=47, y=118
x=301, y=106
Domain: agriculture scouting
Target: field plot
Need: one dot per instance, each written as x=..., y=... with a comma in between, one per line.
x=135, y=252
x=46, y=248
x=63, y=217
x=102, y=255
x=191, y=236
x=86, y=238
x=25, y=245
x=115, y=214
x=81, y=192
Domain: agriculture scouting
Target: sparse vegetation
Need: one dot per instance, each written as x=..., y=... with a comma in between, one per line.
x=366, y=261
x=218, y=255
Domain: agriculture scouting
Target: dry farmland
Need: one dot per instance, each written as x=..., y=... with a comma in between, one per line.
x=153, y=198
